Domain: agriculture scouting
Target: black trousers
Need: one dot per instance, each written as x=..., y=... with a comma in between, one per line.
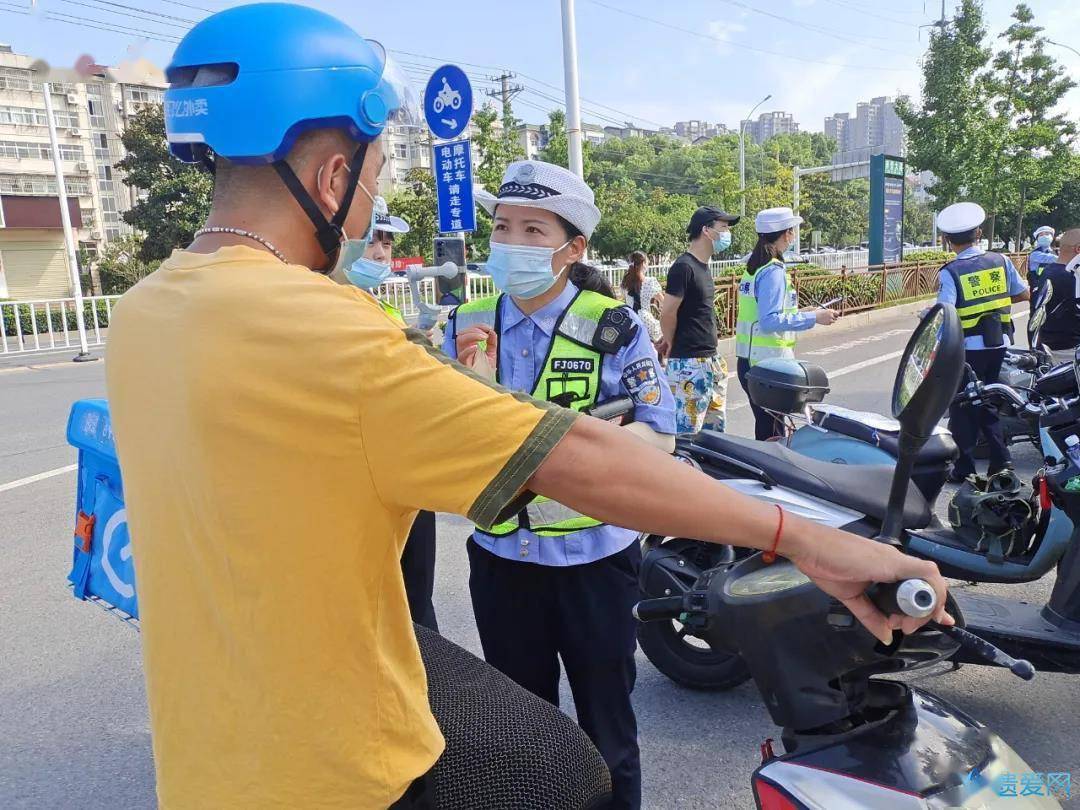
x=529, y=616
x=968, y=421
x=765, y=425
x=418, y=569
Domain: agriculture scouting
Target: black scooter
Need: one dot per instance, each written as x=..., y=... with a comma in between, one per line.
x=851, y=740
x=858, y=500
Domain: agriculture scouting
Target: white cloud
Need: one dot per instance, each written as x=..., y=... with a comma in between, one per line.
x=724, y=31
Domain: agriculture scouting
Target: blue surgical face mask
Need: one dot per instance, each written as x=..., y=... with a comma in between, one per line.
x=367, y=274
x=522, y=271
x=722, y=242
x=352, y=250
x=1044, y=241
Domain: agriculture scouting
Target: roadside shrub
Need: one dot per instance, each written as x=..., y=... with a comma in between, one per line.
x=55, y=319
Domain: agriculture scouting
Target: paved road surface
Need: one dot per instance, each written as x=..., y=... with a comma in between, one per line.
x=73, y=727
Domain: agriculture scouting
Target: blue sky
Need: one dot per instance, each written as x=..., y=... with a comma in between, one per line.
x=699, y=61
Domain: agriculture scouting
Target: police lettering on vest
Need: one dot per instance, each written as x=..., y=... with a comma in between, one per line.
x=591, y=327
x=982, y=297
x=750, y=342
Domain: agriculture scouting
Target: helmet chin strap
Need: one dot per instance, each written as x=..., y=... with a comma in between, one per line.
x=329, y=233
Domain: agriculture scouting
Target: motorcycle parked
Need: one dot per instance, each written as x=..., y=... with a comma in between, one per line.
x=857, y=498
x=852, y=740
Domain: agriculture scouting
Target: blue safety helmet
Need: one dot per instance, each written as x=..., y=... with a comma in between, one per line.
x=246, y=82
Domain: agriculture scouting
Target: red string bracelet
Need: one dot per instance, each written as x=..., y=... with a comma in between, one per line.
x=769, y=556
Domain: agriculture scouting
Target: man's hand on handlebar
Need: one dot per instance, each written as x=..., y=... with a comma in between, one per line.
x=846, y=577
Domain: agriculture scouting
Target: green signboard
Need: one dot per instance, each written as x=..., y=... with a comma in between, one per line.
x=886, y=209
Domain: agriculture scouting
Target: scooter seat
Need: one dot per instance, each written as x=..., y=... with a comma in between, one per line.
x=880, y=431
x=863, y=488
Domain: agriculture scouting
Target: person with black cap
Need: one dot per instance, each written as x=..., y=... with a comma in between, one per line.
x=983, y=287
x=696, y=373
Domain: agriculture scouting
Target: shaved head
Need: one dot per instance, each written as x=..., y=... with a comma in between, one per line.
x=235, y=181
x=1069, y=247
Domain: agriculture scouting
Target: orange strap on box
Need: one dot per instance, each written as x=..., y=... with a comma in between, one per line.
x=84, y=531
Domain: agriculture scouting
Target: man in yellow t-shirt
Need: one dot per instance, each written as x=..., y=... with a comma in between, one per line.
x=273, y=460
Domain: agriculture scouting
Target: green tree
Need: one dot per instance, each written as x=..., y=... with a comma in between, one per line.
x=838, y=210
x=944, y=131
x=121, y=264
x=416, y=204
x=1026, y=144
x=557, y=149
x=495, y=150
x=918, y=220
x=174, y=196
x=1063, y=209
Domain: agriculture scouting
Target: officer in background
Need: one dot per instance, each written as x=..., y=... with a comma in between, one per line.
x=1061, y=331
x=1041, y=255
x=769, y=315
x=983, y=287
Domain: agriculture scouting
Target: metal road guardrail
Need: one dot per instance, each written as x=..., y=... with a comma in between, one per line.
x=30, y=327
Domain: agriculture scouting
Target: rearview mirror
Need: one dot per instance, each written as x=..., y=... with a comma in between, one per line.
x=930, y=372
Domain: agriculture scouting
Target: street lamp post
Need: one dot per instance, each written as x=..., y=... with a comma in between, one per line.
x=742, y=154
x=1063, y=45
x=573, y=103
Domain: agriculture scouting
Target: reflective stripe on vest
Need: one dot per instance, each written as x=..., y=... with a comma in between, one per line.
x=570, y=376
x=752, y=343
x=393, y=312
x=982, y=291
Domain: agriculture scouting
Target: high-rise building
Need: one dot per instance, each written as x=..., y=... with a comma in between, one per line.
x=875, y=129
x=90, y=118
x=839, y=128
x=769, y=124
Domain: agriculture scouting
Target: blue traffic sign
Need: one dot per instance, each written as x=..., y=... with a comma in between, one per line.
x=448, y=102
x=454, y=186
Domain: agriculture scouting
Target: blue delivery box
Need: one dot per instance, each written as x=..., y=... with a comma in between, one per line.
x=102, y=567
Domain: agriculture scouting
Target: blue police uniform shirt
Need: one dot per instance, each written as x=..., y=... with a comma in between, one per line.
x=523, y=346
x=770, y=290
x=1038, y=259
x=947, y=293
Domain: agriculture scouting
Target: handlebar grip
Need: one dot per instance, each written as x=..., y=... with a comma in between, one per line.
x=911, y=597
x=612, y=408
x=664, y=607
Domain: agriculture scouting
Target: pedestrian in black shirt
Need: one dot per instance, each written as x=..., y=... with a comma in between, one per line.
x=696, y=373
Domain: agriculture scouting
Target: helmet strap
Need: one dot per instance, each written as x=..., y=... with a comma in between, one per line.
x=328, y=232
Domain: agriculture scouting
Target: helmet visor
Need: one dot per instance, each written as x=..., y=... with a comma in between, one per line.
x=402, y=99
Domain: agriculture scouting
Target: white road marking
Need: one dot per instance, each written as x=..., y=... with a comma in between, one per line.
x=33, y=479
x=851, y=344
x=873, y=361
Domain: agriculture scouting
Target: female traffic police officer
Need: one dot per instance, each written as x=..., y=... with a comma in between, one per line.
x=769, y=313
x=1041, y=255
x=550, y=582
x=367, y=273
x=982, y=286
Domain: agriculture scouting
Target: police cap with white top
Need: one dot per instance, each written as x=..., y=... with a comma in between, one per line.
x=960, y=217
x=385, y=222
x=1043, y=229
x=535, y=184
x=775, y=220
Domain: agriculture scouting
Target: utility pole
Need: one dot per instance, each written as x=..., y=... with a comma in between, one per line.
x=573, y=102
x=69, y=235
x=505, y=94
